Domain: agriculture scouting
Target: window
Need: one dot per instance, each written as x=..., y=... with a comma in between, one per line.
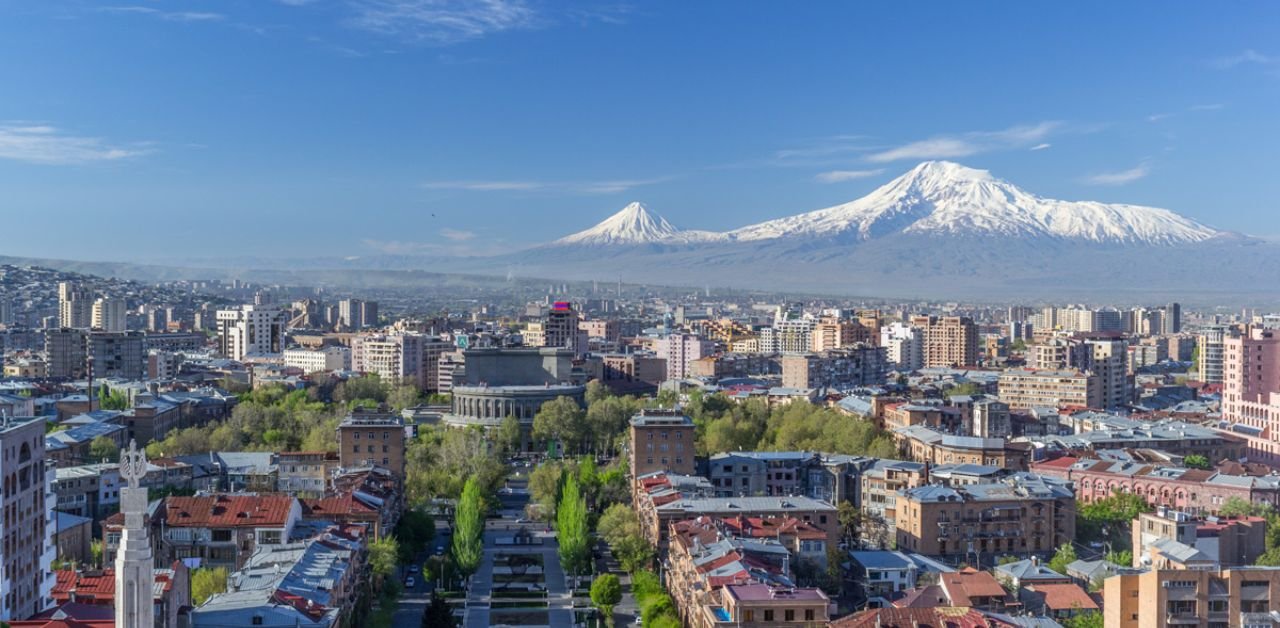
x=355, y=449
x=748, y=615
x=808, y=614
x=768, y=615
x=357, y=435
x=788, y=615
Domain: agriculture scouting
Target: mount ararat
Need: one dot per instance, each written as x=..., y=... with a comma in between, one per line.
x=939, y=230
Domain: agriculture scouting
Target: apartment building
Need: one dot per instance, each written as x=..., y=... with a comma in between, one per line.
x=1030, y=388
x=948, y=341
x=923, y=444
x=315, y=360
x=368, y=439
x=222, y=530
x=837, y=333
x=1172, y=539
x=1190, y=490
x=904, y=346
x=251, y=330
x=1168, y=598
x=29, y=547
x=1211, y=353
x=109, y=315
x=661, y=440
x=1023, y=514
x=1251, y=385
x=117, y=354
x=680, y=351
x=851, y=367
x=75, y=306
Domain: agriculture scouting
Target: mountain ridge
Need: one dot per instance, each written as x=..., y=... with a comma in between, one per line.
x=934, y=197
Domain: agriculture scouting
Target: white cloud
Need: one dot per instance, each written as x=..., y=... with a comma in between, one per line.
x=441, y=21
x=1156, y=117
x=482, y=186
x=571, y=187
x=1122, y=177
x=1041, y=146
x=1248, y=57
x=457, y=235
x=972, y=143
x=928, y=149
x=836, y=176
x=1209, y=107
x=42, y=144
x=172, y=16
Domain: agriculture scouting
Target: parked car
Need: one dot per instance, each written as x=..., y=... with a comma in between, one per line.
x=414, y=568
x=410, y=582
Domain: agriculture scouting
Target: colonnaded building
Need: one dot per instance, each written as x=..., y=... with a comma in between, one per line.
x=495, y=383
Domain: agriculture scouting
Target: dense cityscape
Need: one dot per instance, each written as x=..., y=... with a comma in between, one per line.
x=662, y=314
x=281, y=455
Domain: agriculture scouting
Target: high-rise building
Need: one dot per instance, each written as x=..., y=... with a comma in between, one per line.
x=251, y=330
x=680, y=350
x=117, y=354
x=789, y=335
x=1108, y=359
x=64, y=350
x=393, y=357
x=357, y=313
x=843, y=369
x=75, y=306
x=27, y=554
x=1030, y=388
x=109, y=314
x=560, y=328
x=1172, y=318
x=949, y=341
x=1209, y=347
x=1251, y=384
x=904, y=345
x=836, y=333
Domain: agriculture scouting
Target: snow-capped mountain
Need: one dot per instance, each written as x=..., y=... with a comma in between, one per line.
x=944, y=198
x=635, y=224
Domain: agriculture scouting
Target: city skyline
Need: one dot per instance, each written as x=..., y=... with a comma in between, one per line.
x=460, y=128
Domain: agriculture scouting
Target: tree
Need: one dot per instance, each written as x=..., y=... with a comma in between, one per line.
x=1124, y=558
x=850, y=519
x=606, y=592
x=544, y=486
x=104, y=449
x=561, y=420
x=607, y=420
x=1196, y=461
x=618, y=522
x=95, y=552
x=438, y=613
x=384, y=554
x=596, y=392
x=1109, y=519
x=1091, y=619
x=1240, y=507
x=112, y=399
x=510, y=434
x=1065, y=555
x=367, y=387
x=571, y=529
x=414, y=531
x=468, y=529
x=634, y=553
x=207, y=581
x=404, y=396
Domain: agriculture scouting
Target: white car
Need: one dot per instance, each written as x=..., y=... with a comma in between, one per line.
x=410, y=582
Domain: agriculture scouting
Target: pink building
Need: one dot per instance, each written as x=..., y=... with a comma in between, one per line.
x=680, y=350
x=1251, y=390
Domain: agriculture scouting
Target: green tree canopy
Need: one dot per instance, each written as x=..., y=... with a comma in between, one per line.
x=606, y=592
x=207, y=581
x=561, y=420
x=104, y=449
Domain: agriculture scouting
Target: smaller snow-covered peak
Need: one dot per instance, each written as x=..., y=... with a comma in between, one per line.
x=635, y=224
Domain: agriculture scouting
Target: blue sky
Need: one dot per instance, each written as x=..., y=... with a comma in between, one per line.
x=152, y=130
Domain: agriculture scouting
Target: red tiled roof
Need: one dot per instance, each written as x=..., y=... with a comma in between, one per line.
x=88, y=587
x=227, y=511
x=963, y=586
x=939, y=617
x=1064, y=597
x=1064, y=462
x=63, y=623
x=344, y=504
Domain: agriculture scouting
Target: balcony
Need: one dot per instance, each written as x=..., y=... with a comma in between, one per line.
x=1182, y=618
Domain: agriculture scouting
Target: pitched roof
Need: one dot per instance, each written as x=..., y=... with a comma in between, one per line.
x=962, y=586
x=938, y=617
x=1064, y=596
x=228, y=511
